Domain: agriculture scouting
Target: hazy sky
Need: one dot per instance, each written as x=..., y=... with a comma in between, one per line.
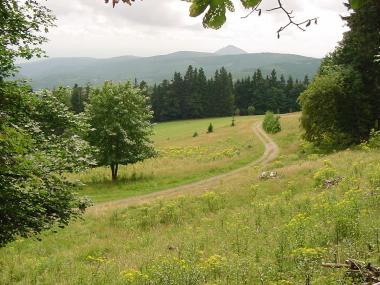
x=92, y=28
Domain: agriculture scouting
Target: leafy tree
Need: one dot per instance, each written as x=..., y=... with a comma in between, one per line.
x=271, y=123
x=22, y=24
x=63, y=94
x=120, y=117
x=39, y=142
x=330, y=107
x=348, y=101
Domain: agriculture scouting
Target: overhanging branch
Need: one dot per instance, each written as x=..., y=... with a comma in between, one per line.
x=300, y=25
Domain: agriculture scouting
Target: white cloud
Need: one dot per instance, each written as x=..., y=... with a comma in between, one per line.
x=92, y=28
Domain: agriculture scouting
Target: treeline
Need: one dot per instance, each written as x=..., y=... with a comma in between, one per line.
x=268, y=94
x=195, y=96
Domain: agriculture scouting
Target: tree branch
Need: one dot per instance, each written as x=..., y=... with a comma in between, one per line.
x=280, y=6
x=254, y=9
x=291, y=21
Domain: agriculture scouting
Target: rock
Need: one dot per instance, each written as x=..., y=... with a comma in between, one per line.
x=268, y=175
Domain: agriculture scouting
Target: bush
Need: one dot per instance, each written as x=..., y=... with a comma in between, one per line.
x=332, y=110
x=251, y=110
x=271, y=123
x=374, y=139
x=210, y=128
x=195, y=134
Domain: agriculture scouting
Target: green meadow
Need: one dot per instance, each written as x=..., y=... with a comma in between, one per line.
x=242, y=230
x=181, y=158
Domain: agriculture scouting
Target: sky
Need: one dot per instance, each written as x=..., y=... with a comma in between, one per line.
x=91, y=28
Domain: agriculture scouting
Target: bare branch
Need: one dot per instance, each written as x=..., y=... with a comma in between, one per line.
x=299, y=25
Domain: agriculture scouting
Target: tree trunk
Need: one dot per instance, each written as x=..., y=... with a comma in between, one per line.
x=114, y=169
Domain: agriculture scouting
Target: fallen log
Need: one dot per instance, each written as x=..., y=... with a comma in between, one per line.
x=359, y=271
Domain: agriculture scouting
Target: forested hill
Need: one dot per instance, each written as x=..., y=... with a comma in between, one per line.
x=69, y=71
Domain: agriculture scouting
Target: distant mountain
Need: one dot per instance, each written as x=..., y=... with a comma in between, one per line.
x=229, y=50
x=68, y=71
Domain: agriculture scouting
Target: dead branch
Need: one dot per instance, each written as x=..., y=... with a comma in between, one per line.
x=299, y=25
x=358, y=270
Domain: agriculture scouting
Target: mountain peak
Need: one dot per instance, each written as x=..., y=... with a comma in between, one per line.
x=230, y=49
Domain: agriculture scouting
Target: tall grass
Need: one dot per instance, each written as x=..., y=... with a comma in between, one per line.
x=243, y=231
x=182, y=158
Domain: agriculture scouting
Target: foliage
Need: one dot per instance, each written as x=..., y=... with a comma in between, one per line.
x=251, y=110
x=271, y=123
x=321, y=108
x=21, y=26
x=193, y=96
x=271, y=93
x=39, y=142
x=120, y=119
x=342, y=104
x=79, y=97
x=374, y=139
x=210, y=128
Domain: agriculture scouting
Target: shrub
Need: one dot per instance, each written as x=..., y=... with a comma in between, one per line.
x=210, y=128
x=374, y=139
x=271, y=123
x=195, y=134
x=251, y=110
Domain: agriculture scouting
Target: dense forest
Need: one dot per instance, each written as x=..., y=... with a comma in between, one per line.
x=195, y=96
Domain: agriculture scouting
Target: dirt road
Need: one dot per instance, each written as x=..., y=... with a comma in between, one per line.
x=270, y=153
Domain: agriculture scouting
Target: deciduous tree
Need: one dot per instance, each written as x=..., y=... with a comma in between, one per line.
x=22, y=24
x=121, y=130
x=39, y=142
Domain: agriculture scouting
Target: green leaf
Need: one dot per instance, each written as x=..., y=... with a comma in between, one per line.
x=198, y=7
x=250, y=3
x=216, y=15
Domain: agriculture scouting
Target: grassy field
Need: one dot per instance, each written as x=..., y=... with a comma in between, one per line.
x=182, y=158
x=243, y=231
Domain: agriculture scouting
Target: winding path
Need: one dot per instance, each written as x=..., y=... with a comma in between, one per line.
x=270, y=153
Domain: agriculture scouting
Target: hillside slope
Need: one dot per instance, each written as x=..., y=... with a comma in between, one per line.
x=68, y=71
x=243, y=230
